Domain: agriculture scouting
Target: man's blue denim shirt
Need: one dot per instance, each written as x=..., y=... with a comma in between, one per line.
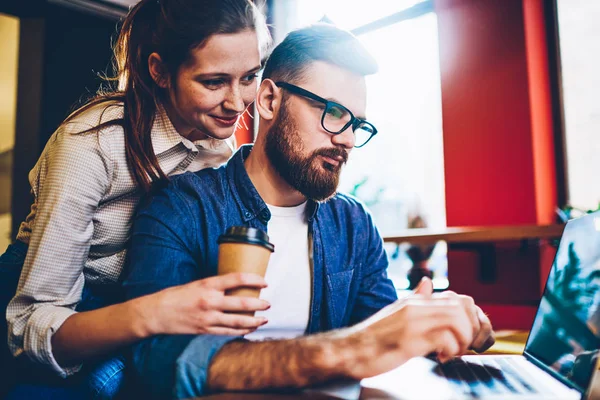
x=174, y=241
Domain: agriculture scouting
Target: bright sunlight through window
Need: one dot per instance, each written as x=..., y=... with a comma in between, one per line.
x=399, y=173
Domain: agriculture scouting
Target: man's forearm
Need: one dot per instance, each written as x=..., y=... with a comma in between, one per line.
x=243, y=365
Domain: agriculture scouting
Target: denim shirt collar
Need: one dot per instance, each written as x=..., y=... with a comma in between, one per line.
x=245, y=193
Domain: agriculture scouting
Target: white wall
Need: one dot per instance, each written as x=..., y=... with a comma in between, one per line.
x=580, y=56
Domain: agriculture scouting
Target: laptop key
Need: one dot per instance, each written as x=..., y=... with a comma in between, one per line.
x=454, y=377
x=492, y=378
x=458, y=373
x=508, y=378
x=515, y=369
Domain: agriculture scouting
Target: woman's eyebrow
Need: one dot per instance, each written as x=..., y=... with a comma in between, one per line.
x=255, y=69
x=224, y=75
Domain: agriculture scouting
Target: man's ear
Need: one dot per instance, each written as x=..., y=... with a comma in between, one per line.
x=158, y=70
x=268, y=100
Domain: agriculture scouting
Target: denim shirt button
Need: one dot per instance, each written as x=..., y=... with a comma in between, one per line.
x=247, y=214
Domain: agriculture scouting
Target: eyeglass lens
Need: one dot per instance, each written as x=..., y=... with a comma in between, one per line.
x=337, y=117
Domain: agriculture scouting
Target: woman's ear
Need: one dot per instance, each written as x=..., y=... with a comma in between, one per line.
x=268, y=99
x=158, y=71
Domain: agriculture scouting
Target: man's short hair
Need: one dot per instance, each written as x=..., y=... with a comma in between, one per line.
x=290, y=60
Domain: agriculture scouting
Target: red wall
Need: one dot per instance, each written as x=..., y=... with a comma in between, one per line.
x=498, y=148
x=244, y=132
x=486, y=113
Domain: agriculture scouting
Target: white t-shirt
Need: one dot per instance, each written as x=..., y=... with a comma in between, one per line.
x=288, y=276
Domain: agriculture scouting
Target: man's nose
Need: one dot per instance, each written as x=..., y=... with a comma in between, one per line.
x=234, y=100
x=346, y=138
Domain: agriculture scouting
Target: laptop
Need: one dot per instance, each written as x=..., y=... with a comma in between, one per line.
x=561, y=353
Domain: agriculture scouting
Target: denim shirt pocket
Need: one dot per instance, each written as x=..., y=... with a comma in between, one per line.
x=338, y=284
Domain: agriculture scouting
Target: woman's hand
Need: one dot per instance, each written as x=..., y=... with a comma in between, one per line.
x=201, y=307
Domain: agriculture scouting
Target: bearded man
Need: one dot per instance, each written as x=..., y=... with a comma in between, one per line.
x=327, y=279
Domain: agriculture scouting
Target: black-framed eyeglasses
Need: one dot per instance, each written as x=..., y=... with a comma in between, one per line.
x=336, y=118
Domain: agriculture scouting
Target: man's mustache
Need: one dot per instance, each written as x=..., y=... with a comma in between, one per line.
x=334, y=153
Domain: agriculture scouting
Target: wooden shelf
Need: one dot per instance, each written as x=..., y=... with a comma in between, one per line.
x=478, y=234
x=482, y=240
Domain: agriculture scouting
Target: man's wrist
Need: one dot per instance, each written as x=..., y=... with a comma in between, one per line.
x=335, y=355
x=241, y=365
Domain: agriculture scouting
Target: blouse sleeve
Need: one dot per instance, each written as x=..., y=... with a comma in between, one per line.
x=69, y=181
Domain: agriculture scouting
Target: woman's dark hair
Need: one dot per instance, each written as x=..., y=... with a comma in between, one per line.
x=171, y=28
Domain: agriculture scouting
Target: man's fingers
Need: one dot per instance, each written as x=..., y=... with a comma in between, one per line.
x=445, y=343
x=454, y=318
x=425, y=287
x=485, y=337
x=480, y=323
x=489, y=342
x=234, y=280
x=471, y=310
x=449, y=316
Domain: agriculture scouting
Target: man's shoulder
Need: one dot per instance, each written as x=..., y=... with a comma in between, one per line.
x=205, y=176
x=191, y=189
x=200, y=185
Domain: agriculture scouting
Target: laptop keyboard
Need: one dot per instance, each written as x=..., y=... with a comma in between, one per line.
x=489, y=377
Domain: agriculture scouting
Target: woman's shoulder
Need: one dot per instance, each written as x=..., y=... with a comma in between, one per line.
x=94, y=115
x=94, y=125
x=77, y=137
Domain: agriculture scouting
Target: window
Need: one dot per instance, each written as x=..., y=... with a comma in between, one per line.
x=9, y=29
x=399, y=173
x=580, y=60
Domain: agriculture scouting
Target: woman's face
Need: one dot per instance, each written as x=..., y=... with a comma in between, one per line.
x=215, y=86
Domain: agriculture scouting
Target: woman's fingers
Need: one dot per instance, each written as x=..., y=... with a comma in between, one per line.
x=219, y=330
x=238, y=321
x=234, y=280
x=236, y=304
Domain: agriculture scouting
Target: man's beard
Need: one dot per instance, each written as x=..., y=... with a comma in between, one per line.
x=309, y=175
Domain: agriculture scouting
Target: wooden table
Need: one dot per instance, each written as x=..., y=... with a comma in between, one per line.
x=481, y=239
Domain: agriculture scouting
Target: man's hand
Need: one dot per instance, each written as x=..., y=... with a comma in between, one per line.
x=420, y=324
x=483, y=334
x=425, y=287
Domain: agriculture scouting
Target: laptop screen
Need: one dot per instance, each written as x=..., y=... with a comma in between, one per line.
x=566, y=330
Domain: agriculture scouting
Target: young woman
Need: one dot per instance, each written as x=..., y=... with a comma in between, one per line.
x=186, y=71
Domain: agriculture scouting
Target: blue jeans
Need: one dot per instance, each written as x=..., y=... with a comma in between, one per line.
x=99, y=380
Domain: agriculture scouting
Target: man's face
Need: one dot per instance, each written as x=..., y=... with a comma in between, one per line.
x=305, y=155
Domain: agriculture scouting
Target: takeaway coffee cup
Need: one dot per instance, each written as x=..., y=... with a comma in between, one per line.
x=244, y=249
